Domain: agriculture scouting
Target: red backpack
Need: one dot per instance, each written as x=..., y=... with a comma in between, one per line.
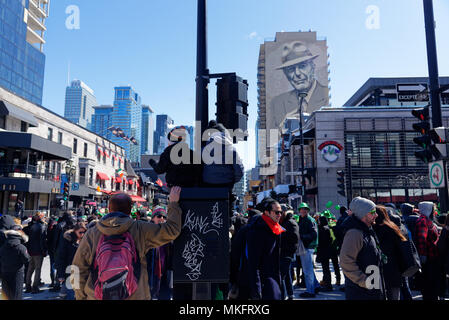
x=116, y=267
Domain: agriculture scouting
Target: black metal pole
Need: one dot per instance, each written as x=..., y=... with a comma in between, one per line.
x=434, y=85
x=303, y=178
x=202, y=73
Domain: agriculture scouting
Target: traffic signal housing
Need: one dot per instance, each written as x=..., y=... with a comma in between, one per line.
x=439, y=137
x=424, y=141
x=341, y=184
x=232, y=104
x=65, y=194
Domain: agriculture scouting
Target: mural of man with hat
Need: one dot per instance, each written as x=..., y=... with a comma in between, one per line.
x=298, y=65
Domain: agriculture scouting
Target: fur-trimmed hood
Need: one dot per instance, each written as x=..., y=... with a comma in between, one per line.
x=14, y=237
x=70, y=235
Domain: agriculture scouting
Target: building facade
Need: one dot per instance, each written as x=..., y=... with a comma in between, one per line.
x=22, y=63
x=79, y=103
x=127, y=115
x=102, y=120
x=147, y=130
x=163, y=126
x=36, y=145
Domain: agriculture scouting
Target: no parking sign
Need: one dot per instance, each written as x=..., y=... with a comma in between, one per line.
x=436, y=174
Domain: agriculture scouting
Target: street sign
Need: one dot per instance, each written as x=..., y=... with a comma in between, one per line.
x=412, y=92
x=75, y=186
x=436, y=174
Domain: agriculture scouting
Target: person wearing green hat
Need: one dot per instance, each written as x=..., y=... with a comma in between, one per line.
x=308, y=231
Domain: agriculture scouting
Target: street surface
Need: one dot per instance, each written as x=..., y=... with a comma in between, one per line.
x=333, y=295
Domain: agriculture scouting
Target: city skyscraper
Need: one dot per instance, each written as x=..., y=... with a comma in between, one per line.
x=79, y=103
x=22, y=61
x=146, y=146
x=163, y=125
x=127, y=115
x=102, y=120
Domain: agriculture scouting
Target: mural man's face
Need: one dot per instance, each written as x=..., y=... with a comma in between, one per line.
x=300, y=75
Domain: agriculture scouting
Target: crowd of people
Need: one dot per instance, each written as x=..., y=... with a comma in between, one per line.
x=383, y=252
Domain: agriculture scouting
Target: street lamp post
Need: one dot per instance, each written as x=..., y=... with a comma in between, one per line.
x=70, y=170
x=302, y=95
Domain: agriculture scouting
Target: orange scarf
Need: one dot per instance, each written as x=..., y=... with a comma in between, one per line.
x=275, y=227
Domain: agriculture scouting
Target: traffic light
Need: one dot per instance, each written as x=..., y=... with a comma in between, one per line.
x=439, y=137
x=65, y=194
x=423, y=127
x=232, y=104
x=341, y=183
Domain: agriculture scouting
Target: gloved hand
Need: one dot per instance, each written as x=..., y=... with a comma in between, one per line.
x=423, y=259
x=152, y=162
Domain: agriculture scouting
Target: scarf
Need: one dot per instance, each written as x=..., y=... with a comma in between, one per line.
x=275, y=227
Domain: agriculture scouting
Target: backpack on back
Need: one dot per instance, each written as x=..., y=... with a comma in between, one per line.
x=116, y=267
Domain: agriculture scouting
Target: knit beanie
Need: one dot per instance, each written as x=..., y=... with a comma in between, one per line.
x=361, y=206
x=426, y=208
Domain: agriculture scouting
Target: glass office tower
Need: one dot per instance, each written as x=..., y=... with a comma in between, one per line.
x=79, y=103
x=22, y=62
x=127, y=115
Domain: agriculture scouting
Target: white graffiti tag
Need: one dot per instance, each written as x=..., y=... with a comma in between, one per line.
x=192, y=253
x=200, y=223
x=217, y=221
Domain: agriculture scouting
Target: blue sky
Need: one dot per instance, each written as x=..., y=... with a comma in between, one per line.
x=151, y=45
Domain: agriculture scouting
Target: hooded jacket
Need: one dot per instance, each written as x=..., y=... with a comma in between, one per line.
x=146, y=236
x=359, y=254
x=13, y=253
x=220, y=170
x=66, y=251
x=290, y=238
x=38, y=239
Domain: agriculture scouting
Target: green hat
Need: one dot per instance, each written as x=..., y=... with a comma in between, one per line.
x=304, y=205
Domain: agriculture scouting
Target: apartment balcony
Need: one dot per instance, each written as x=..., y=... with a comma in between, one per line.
x=39, y=8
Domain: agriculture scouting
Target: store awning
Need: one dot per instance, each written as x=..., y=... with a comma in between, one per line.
x=102, y=176
x=100, y=151
x=138, y=199
x=106, y=153
x=137, y=184
x=118, y=180
x=130, y=181
x=7, y=109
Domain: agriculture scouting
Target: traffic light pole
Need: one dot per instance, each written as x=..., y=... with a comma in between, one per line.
x=434, y=87
x=303, y=178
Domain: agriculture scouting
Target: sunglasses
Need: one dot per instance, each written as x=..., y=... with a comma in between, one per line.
x=277, y=212
x=373, y=212
x=160, y=216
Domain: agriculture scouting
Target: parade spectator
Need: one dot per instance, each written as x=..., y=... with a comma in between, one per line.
x=289, y=245
x=179, y=167
x=426, y=239
x=51, y=228
x=66, y=253
x=239, y=273
x=80, y=211
x=160, y=264
x=6, y=223
x=237, y=222
x=13, y=255
x=37, y=250
x=443, y=252
x=308, y=231
x=145, y=236
x=18, y=208
x=263, y=245
x=326, y=251
x=389, y=236
x=409, y=216
x=360, y=255
x=223, y=168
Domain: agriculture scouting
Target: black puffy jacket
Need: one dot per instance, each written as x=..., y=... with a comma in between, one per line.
x=13, y=253
x=289, y=238
x=65, y=254
x=38, y=239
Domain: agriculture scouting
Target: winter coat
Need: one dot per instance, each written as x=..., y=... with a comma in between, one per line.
x=228, y=168
x=389, y=243
x=64, y=224
x=51, y=228
x=358, y=252
x=145, y=235
x=238, y=222
x=308, y=231
x=409, y=218
x=263, y=249
x=6, y=223
x=289, y=238
x=326, y=248
x=239, y=272
x=183, y=174
x=443, y=248
x=38, y=239
x=65, y=254
x=13, y=253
